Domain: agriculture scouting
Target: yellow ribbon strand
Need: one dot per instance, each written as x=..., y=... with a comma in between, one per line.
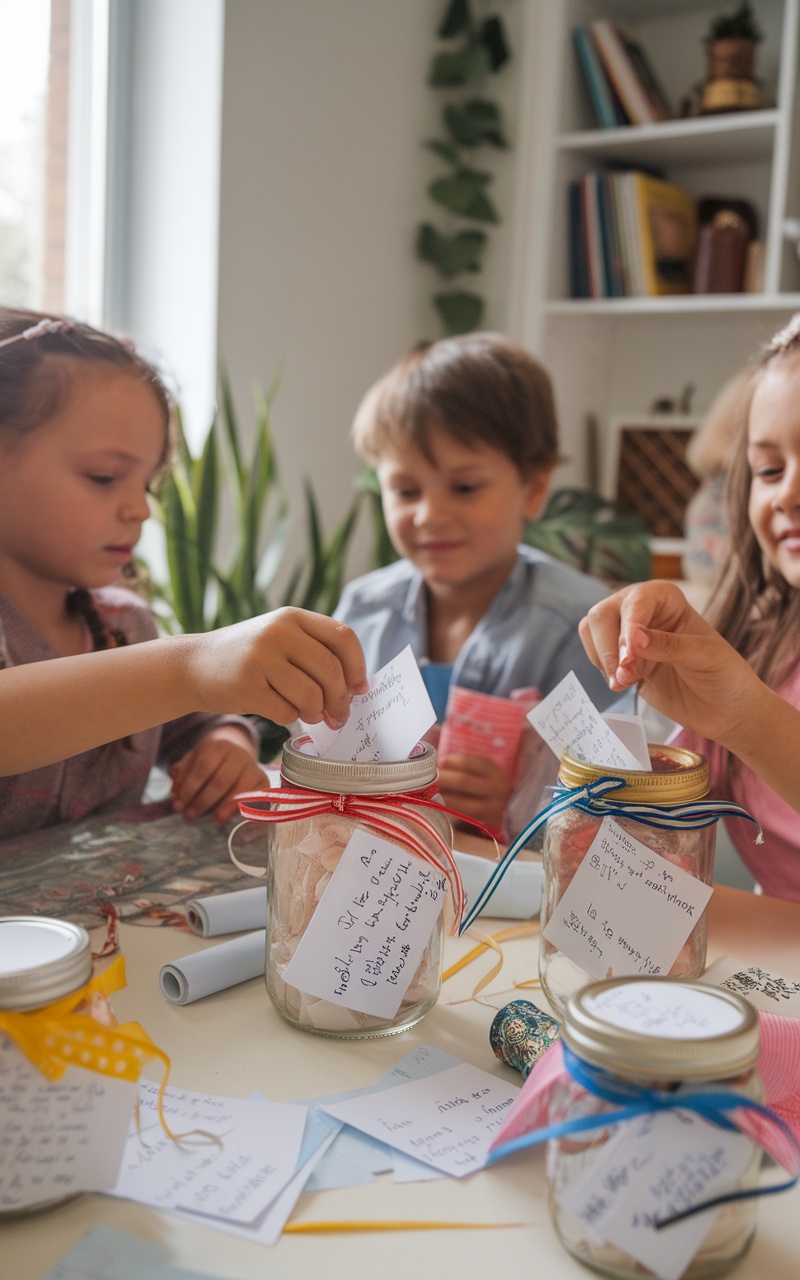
x=490, y=942
x=318, y=1228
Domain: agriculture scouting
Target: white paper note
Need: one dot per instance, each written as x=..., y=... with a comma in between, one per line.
x=58, y=1136
x=446, y=1120
x=765, y=990
x=653, y=1167
x=626, y=910
x=568, y=720
x=631, y=732
x=386, y=722
x=232, y=1180
x=373, y=923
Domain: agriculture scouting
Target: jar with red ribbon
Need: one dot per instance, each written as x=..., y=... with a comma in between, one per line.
x=360, y=879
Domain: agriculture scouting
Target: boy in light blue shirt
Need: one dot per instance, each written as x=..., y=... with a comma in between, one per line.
x=463, y=437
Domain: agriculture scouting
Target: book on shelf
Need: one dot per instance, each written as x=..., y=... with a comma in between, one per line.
x=667, y=235
x=629, y=72
x=596, y=80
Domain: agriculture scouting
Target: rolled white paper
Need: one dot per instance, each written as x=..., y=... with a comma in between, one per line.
x=215, y=969
x=237, y=912
x=518, y=895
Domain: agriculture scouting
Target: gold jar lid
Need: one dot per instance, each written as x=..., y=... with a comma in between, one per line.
x=687, y=780
x=650, y=1029
x=358, y=777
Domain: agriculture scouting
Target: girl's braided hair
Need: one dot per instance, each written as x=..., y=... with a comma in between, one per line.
x=39, y=359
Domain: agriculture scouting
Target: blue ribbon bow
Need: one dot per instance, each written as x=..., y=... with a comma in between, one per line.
x=632, y=1100
x=590, y=799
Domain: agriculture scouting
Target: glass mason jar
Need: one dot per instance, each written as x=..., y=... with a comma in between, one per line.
x=678, y=776
x=303, y=855
x=621, y=1036
x=41, y=961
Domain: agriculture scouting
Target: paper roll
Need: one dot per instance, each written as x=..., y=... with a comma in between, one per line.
x=518, y=895
x=215, y=969
x=237, y=912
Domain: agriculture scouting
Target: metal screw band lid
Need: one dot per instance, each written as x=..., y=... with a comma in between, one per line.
x=343, y=777
x=41, y=960
x=649, y=1029
x=686, y=779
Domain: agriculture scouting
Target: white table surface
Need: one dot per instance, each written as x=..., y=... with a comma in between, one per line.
x=234, y=1042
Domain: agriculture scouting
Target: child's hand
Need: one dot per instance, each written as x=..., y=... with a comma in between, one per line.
x=476, y=786
x=208, y=777
x=285, y=665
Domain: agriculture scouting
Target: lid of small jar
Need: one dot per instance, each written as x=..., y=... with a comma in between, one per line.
x=682, y=775
x=362, y=777
x=41, y=960
x=662, y=1029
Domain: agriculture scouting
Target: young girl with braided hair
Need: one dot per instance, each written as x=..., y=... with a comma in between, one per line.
x=83, y=433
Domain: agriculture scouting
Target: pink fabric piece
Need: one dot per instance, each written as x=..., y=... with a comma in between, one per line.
x=775, y=864
x=778, y=1066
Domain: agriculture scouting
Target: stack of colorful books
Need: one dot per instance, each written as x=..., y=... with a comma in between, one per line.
x=623, y=87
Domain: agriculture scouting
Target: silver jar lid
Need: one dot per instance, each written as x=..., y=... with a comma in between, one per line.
x=662, y=1029
x=41, y=960
x=361, y=777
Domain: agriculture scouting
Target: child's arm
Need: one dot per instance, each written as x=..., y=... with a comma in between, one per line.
x=476, y=786
x=285, y=665
x=650, y=634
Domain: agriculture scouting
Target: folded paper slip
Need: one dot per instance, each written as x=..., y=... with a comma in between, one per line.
x=518, y=896
x=237, y=912
x=215, y=969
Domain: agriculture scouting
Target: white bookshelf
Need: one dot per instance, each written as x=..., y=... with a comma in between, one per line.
x=612, y=357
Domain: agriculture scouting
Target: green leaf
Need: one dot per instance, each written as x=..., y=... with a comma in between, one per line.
x=457, y=18
x=492, y=36
x=206, y=496
x=463, y=193
x=228, y=415
x=475, y=123
x=459, y=311
x=585, y=530
x=451, y=254
x=444, y=149
x=467, y=66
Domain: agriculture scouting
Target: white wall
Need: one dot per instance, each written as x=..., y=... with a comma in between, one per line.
x=323, y=178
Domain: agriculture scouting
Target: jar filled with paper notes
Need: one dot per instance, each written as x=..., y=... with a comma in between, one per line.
x=679, y=1059
x=63, y=1116
x=628, y=865
x=359, y=861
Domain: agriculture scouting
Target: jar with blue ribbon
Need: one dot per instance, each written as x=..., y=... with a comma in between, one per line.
x=664, y=820
x=658, y=1118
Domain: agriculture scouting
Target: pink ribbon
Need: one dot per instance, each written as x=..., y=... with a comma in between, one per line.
x=378, y=812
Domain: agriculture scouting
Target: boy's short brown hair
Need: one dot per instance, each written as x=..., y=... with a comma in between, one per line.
x=479, y=387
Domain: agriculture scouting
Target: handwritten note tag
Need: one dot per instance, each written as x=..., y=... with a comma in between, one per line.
x=765, y=990
x=626, y=909
x=368, y=934
x=446, y=1120
x=653, y=1167
x=232, y=1180
x=66, y=1135
x=386, y=722
x=568, y=720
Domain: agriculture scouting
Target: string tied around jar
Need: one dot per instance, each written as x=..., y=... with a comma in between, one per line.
x=591, y=798
x=719, y=1106
x=389, y=815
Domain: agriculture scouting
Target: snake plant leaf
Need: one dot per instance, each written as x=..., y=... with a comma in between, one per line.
x=492, y=36
x=206, y=483
x=466, y=66
x=182, y=557
x=463, y=192
x=227, y=416
x=457, y=18
x=451, y=254
x=475, y=123
x=459, y=311
x=445, y=150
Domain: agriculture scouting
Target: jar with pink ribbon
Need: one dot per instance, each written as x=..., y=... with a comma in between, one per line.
x=361, y=881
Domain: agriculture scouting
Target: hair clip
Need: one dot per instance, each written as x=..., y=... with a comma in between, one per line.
x=38, y=329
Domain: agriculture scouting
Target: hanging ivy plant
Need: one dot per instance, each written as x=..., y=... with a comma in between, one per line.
x=477, y=49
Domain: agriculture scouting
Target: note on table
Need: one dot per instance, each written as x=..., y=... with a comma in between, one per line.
x=568, y=720
x=386, y=722
x=652, y=1167
x=370, y=930
x=767, y=991
x=67, y=1136
x=446, y=1120
x=626, y=910
x=108, y=1254
x=230, y=1177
